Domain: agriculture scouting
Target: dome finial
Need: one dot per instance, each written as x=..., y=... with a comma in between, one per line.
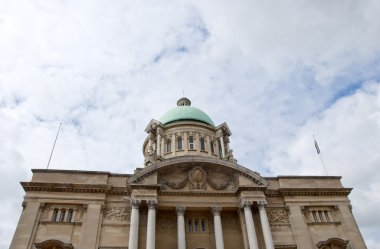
x=183, y=102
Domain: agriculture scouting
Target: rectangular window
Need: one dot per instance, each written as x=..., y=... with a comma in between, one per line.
x=179, y=143
x=203, y=225
x=196, y=225
x=191, y=143
x=62, y=217
x=203, y=144
x=168, y=145
x=190, y=225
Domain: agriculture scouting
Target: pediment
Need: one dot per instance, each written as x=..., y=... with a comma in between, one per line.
x=192, y=173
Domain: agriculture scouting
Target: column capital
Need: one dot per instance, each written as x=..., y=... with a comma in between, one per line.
x=245, y=204
x=262, y=204
x=216, y=210
x=135, y=203
x=180, y=210
x=151, y=204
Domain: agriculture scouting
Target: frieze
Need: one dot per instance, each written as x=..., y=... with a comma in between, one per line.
x=119, y=214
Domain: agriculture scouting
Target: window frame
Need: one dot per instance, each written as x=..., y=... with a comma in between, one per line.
x=192, y=143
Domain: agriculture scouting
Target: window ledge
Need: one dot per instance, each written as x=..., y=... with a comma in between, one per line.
x=323, y=222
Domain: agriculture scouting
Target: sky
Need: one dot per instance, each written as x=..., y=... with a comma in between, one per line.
x=278, y=72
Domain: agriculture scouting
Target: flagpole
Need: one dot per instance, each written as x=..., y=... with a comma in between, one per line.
x=320, y=155
x=55, y=141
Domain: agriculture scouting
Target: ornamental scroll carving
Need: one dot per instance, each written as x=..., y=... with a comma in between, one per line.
x=118, y=214
x=278, y=216
x=197, y=178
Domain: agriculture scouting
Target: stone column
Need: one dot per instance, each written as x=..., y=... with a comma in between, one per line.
x=265, y=225
x=27, y=225
x=252, y=240
x=151, y=227
x=181, y=227
x=243, y=228
x=228, y=144
x=158, y=142
x=218, y=227
x=222, y=147
x=134, y=226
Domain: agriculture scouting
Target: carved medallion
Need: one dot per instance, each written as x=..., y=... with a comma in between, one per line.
x=197, y=178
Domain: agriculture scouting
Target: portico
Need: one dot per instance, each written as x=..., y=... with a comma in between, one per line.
x=217, y=233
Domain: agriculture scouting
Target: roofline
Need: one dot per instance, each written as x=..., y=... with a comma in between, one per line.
x=79, y=172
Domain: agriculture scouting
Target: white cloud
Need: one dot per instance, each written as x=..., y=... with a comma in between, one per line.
x=274, y=71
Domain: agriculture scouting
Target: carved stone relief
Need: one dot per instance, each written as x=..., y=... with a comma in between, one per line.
x=45, y=214
x=196, y=179
x=278, y=216
x=119, y=214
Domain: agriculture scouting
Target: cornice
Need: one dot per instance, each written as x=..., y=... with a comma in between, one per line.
x=70, y=187
x=80, y=172
x=307, y=192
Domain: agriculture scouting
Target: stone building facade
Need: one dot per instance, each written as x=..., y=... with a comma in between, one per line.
x=191, y=193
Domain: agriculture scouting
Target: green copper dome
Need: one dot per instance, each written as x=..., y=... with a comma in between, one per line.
x=184, y=111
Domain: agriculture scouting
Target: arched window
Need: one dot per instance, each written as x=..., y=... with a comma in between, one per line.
x=179, y=143
x=203, y=144
x=55, y=214
x=212, y=147
x=62, y=217
x=191, y=143
x=70, y=215
x=168, y=145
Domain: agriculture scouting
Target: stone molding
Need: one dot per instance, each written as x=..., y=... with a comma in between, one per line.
x=255, y=177
x=308, y=192
x=333, y=243
x=53, y=243
x=73, y=187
